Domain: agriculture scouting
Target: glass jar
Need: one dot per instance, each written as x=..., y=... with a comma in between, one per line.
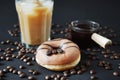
x=81, y=32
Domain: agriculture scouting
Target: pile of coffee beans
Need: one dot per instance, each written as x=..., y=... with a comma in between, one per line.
x=105, y=64
x=15, y=32
x=13, y=52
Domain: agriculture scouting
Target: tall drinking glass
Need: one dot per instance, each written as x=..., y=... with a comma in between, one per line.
x=35, y=20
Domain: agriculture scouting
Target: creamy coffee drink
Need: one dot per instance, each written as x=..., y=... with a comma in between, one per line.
x=35, y=20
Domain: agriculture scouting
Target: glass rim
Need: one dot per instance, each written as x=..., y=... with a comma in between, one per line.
x=93, y=25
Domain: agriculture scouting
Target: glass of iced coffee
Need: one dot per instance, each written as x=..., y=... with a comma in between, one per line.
x=35, y=20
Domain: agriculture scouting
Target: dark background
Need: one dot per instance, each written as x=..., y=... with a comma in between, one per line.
x=105, y=12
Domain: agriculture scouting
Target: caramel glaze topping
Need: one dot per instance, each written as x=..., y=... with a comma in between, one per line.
x=57, y=50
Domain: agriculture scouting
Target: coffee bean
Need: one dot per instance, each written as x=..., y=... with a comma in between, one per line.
x=58, y=75
x=14, y=71
x=79, y=72
x=53, y=76
x=77, y=68
x=30, y=70
x=49, y=53
x=115, y=73
x=112, y=57
x=53, y=32
x=1, y=50
x=20, y=54
x=88, y=49
x=83, y=69
x=73, y=72
x=47, y=77
x=35, y=72
x=88, y=63
x=106, y=56
x=63, y=78
x=59, y=50
x=13, y=56
x=18, y=48
x=56, y=78
x=1, y=73
x=33, y=51
x=108, y=51
x=118, y=67
x=21, y=67
x=12, y=49
x=93, y=77
x=94, y=58
x=5, y=70
x=65, y=74
x=23, y=57
x=118, y=64
x=2, y=42
x=2, y=57
x=28, y=58
x=54, y=52
x=92, y=71
x=8, y=67
x=11, y=69
x=29, y=63
x=116, y=57
x=8, y=55
x=66, y=30
x=19, y=72
x=7, y=41
x=18, y=57
x=103, y=52
x=8, y=58
x=8, y=52
x=16, y=25
x=61, y=32
x=25, y=60
x=33, y=58
x=108, y=68
x=7, y=49
x=31, y=78
x=22, y=75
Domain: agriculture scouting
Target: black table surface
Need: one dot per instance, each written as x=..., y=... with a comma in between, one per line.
x=105, y=12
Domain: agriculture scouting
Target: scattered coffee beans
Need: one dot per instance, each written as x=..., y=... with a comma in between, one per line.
x=31, y=78
x=22, y=75
x=92, y=71
x=116, y=73
x=17, y=51
x=93, y=77
x=47, y=77
x=21, y=67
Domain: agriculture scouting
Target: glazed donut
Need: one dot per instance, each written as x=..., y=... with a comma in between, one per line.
x=58, y=54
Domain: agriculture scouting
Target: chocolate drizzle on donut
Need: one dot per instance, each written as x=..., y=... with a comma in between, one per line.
x=69, y=46
x=57, y=50
x=43, y=48
x=65, y=43
x=49, y=53
x=47, y=45
x=72, y=46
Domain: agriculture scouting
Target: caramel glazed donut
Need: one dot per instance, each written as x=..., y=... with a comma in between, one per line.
x=58, y=54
